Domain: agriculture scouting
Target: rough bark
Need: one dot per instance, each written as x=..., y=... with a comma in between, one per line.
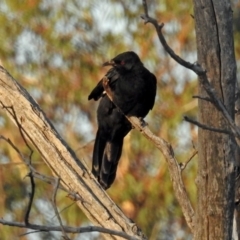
x=216, y=178
x=236, y=233
x=95, y=203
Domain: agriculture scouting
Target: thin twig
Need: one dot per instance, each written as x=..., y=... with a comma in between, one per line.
x=193, y=145
x=57, y=181
x=84, y=145
x=65, y=208
x=28, y=233
x=68, y=229
x=13, y=113
x=15, y=148
x=203, y=98
x=26, y=219
x=205, y=127
x=147, y=19
x=65, y=229
x=184, y=165
x=35, y=174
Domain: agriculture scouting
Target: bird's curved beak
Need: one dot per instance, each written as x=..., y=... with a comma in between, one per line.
x=109, y=63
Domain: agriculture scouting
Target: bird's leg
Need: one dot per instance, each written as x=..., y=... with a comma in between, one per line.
x=142, y=122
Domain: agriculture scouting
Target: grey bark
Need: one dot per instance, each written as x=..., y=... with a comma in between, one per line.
x=236, y=226
x=216, y=178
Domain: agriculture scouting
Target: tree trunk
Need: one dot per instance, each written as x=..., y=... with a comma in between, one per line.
x=216, y=178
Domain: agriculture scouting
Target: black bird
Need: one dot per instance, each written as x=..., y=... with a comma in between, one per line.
x=134, y=91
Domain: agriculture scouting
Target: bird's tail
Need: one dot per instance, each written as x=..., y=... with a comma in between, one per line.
x=106, y=155
x=98, y=151
x=112, y=154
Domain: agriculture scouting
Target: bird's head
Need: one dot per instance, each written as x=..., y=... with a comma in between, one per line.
x=125, y=61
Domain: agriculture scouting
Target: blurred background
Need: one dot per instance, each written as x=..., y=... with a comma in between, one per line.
x=55, y=49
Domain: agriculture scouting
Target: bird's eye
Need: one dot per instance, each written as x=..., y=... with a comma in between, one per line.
x=122, y=62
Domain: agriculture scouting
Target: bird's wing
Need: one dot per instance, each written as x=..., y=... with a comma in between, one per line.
x=136, y=96
x=152, y=89
x=98, y=91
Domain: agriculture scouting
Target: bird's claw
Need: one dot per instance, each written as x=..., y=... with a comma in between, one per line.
x=142, y=122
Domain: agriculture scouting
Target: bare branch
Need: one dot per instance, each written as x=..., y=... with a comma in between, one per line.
x=84, y=145
x=184, y=165
x=68, y=229
x=206, y=127
x=147, y=19
x=13, y=113
x=76, y=197
x=62, y=160
x=26, y=219
x=35, y=174
x=220, y=106
x=167, y=151
x=197, y=69
x=203, y=98
x=55, y=207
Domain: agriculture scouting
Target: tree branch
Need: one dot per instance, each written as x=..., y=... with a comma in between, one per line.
x=173, y=166
x=147, y=19
x=69, y=229
x=56, y=185
x=61, y=159
x=184, y=165
x=203, y=98
x=26, y=219
x=49, y=180
x=206, y=127
x=202, y=74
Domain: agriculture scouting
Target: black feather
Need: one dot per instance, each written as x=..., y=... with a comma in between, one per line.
x=134, y=91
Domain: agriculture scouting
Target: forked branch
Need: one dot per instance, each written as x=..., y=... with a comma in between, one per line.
x=202, y=74
x=173, y=165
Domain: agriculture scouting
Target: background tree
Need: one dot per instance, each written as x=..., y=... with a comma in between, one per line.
x=55, y=50
x=216, y=176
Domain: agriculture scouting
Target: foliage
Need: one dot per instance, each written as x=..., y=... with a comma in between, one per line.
x=55, y=49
